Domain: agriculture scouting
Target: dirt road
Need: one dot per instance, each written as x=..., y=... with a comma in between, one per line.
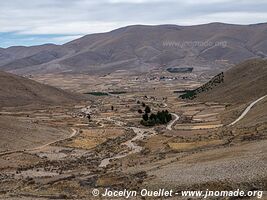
x=169, y=126
x=74, y=132
x=246, y=110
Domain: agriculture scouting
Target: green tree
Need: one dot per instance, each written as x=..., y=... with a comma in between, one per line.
x=153, y=117
x=145, y=117
x=147, y=109
x=169, y=117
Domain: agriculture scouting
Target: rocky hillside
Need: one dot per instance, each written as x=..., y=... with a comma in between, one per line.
x=19, y=91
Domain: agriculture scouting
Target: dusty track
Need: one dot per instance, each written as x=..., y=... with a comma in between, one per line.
x=74, y=132
x=246, y=110
x=169, y=126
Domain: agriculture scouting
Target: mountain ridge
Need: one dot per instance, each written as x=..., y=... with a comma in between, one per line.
x=142, y=47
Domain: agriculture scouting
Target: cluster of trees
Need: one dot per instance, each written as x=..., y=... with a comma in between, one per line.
x=216, y=80
x=161, y=117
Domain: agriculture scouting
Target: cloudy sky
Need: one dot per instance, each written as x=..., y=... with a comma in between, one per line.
x=31, y=22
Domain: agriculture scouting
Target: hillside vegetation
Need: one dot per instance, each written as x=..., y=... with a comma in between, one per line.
x=241, y=84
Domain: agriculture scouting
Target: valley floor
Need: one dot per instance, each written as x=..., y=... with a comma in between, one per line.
x=73, y=155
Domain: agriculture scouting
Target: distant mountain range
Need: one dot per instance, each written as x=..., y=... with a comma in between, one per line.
x=141, y=48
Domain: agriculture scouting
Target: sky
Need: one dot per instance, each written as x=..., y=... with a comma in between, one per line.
x=33, y=22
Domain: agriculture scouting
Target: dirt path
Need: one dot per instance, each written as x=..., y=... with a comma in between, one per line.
x=169, y=126
x=246, y=110
x=74, y=132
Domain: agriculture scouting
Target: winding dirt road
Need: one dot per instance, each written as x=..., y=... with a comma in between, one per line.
x=169, y=126
x=246, y=110
x=74, y=132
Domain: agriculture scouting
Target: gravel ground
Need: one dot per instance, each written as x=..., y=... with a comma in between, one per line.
x=245, y=163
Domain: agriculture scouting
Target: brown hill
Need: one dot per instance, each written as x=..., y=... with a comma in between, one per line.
x=19, y=91
x=243, y=83
x=19, y=134
x=138, y=48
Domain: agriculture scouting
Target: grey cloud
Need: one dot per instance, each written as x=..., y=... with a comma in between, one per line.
x=37, y=16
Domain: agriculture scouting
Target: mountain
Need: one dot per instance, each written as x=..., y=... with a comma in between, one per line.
x=140, y=48
x=19, y=91
x=241, y=84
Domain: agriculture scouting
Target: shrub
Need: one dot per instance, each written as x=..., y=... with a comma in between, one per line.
x=145, y=117
x=147, y=109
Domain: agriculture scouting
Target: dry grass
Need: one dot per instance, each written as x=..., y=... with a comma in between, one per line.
x=89, y=139
x=197, y=126
x=185, y=146
x=156, y=143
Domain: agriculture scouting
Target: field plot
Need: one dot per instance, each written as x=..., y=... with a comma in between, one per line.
x=90, y=138
x=193, y=145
